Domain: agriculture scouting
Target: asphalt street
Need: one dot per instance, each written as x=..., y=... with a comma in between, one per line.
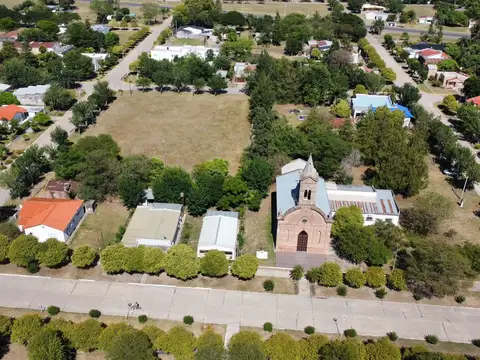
x=369, y=318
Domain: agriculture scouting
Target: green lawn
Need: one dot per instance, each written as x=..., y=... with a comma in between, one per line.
x=193, y=42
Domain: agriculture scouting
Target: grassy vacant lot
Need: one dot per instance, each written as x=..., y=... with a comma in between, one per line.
x=124, y=35
x=421, y=10
x=193, y=42
x=98, y=229
x=181, y=129
x=272, y=8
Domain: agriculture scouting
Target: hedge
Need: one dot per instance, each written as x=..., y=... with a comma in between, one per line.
x=46, y=345
x=5, y=326
x=52, y=253
x=375, y=277
x=23, y=250
x=4, y=245
x=108, y=334
x=245, y=267
x=396, y=280
x=25, y=327
x=83, y=257
x=371, y=53
x=182, y=262
x=330, y=274
x=281, y=346
x=355, y=278
x=178, y=342
x=214, y=263
x=85, y=335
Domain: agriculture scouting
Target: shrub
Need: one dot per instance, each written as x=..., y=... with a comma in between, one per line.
x=330, y=274
x=52, y=253
x=281, y=346
x=209, y=346
x=375, y=277
x=182, y=262
x=84, y=257
x=355, y=278
x=188, y=320
x=61, y=325
x=46, y=345
x=313, y=274
x=4, y=245
x=33, y=267
x=297, y=272
x=396, y=280
x=133, y=344
x=309, y=330
x=110, y=332
x=214, y=264
x=25, y=327
x=85, y=335
x=268, y=327
x=178, y=342
x=5, y=326
x=246, y=345
x=113, y=258
x=380, y=293
x=268, y=285
x=418, y=296
x=94, y=313
x=53, y=310
x=142, y=319
x=342, y=290
x=311, y=345
x=476, y=342
x=392, y=336
x=153, y=260
x=431, y=339
x=351, y=333
x=23, y=250
x=153, y=332
x=460, y=299
x=245, y=266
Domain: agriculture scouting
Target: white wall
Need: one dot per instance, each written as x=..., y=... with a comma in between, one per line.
x=43, y=233
x=202, y=250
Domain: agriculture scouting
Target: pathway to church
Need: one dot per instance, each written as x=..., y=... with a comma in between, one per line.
x=236, y=308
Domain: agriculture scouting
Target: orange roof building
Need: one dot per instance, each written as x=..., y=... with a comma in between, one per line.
x=10, y=112
x=475, y=101
x=50, y=218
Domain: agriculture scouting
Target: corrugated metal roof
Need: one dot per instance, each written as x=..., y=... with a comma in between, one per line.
x=219, y=229
x=31, y=90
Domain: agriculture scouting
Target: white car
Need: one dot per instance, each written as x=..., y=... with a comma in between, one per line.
x=450, y=172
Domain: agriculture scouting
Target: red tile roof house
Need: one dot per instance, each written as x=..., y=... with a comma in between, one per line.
x=9, y=36
x=50, y=218
x=475, y=101
x=35, y=46
x=12, y=112
x=431, y=56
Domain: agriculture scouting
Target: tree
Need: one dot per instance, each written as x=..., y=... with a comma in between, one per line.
x=83, y=256
x=198, y=85
x=428, y=212
x=382, y=349
x=341, y=109
x=85, y=335
x=78, y=66
x=25, y=328
x=52, y=253
x=246, y=344
x=388, y=74
x=113, y=258
x=209, y=346
x=49, y=28
x=471, y=87
x=330, y=274
x=131, y=191
x=58, y=98
x=133, y=344
x=59, y=136
x=395, y=6
x=348, y=349
x=178, y=342
x=257, y=174
x=297, y=272
x=281, y=346
x=23, y=250
x=396, y=280
x=182, y=262
x=108, y=335
x=98, y=176
x=214, y=264
x=217, y=84
x=448, y=65
x=153, y=260
x=356, y=5
x=9, y=229
x=102, y=8
x=375, y=277
x=374, y=82
x=143, y=82
x=172, y=183
x=45, y=345
x=354, y=277
x=4, y=245
x=101, y=95
x=360, y=89
x=7, y=98
x=294, y=45
x=245, y=266
x=450, y=103
x=469, y=121
x=377, y=27
x=150, y=11
x=345, y=217
x=17, y=73
x=82, y=115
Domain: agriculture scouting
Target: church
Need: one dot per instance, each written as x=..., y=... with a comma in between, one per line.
x=306, y=206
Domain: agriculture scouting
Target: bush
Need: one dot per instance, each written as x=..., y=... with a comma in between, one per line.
x=133, y=344
x=246, y=345
x=269, y=285
x=281, y=346
x=94, y=313
x=113, y=258
x=396, y=280
x=25, y=327
x=53, y=310
x=268, y=327
x=46, y=345
x=209, y=346
x=85, y=335
x=153, y=332
x=4, y=245
x=5, y=326
x=355, y=278
x=9, y=229
x=142, y=319
x=153, y=260
x=33, y=267
x=313, y=274
x=460, y=299
x=23, y=250
x=418, y=296
x=380, y=293
x=392, y=336
x=52, y=253
x=188, y=320
x=431, y=339
x=105, y=339
x=84, y=257
x=245, y=267
x=330, y=274
x=375, y=277
x=351, y=333
x=476, y=342
x=178, y=342
x=297, y=272
x=309, y=330
x=214, y=264
x=182, y=262
x=342, y=290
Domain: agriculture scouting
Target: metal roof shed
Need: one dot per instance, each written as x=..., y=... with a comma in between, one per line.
x=219, y=232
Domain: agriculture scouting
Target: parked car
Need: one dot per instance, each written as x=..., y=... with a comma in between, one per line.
x=450, y=172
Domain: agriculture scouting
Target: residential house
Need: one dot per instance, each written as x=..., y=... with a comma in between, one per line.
x=242, y=70
x=52, y=46
x=4, y=87
x=219, y=232
x=370, y=7
x=451, y=79
x=363, y=103
x=12, y=112
x=61, y=189
x=31, y=95
x=431, y=56
x=193, y=32
x=306, y=205
x=170, y=52
x=10, y=36
x=97, y=59
x=374, y=15
x=322, y=45
x=413, y=50
x=425, y=20
x=475, y=101
x=102, y=28
x=50, y=218
x=155, y=224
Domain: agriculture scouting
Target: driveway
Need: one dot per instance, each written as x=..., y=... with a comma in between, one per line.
x=369, y=318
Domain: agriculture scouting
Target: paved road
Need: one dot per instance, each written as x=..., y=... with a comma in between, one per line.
x=447, y=34
x=370, y=318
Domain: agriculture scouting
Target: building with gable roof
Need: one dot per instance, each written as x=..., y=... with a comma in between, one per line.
x=306, y=205
x=219, y=232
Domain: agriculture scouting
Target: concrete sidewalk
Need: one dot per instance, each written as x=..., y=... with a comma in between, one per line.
x=370, y=318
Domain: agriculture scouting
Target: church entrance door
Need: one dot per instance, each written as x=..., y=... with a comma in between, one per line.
x=302, y=241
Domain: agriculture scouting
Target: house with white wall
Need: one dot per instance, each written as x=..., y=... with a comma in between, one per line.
x=170, y=52
x=219, y=232
x=50, y=218
x=13, y=112
x=425, y=20
x=31, y=95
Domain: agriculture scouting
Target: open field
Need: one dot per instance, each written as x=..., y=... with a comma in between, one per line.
x=426, y=87
x=124, y=35
x=282, y=8
x=98, y=229
x=180, y=129
x=193, y=42
x=421, y=10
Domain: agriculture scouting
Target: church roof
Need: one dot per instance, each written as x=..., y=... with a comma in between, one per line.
x=309, y=170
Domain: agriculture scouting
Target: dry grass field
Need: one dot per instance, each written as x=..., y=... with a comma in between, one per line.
x=181, y=129
x=282, y=8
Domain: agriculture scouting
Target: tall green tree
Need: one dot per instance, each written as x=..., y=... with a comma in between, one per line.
x=171, y=185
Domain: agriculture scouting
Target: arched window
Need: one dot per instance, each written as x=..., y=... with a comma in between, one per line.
x=305, y=194
x=309, y=194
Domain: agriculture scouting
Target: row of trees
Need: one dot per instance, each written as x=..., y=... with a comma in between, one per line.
x=374, y=60
x=51, y=340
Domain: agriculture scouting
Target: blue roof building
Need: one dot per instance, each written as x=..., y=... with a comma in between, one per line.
x=363, y=103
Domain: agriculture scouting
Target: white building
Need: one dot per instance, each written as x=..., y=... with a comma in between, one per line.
x=363, y=103
x=370, y=7
x=31, y=95
x=168, y=52
x=425, y=20
x=50, y=218
x=219, y=232
x=96, y=59
x=374, y=15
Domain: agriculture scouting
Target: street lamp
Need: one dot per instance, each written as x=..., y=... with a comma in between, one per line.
x=336, y=324
x=463, y=192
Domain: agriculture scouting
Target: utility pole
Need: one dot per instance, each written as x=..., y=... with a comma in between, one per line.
x=463, y=192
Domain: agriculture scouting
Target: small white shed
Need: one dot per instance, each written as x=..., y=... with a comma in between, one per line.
x=219, y=232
